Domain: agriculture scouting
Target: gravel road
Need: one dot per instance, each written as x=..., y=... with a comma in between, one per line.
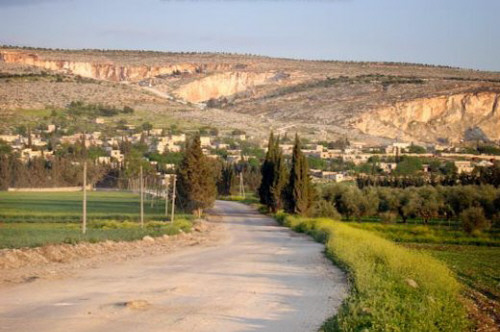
x=258, y=277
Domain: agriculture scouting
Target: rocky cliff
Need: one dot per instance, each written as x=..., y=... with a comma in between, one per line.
x=106, y=71
x=220, y=85
x=429, y=119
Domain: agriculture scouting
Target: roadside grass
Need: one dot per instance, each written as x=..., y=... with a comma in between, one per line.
x=20, y=235
x=433, y=234
x=392, y=288
x=67, y=207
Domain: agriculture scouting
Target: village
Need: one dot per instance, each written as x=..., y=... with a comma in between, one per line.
x=336, y=161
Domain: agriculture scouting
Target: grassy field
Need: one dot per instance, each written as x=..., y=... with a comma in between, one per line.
x=392, y=288
x=436, y=234
x=475, y=260
x=35, y=219
x=67, y=207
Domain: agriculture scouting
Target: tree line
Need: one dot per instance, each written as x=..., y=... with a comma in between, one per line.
x=480, y=175
x=476, y=207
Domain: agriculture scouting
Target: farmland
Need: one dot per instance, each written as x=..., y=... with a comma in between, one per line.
x=474, y=259
x=34, y=219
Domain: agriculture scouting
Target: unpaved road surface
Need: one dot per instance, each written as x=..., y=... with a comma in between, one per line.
x=259, y=277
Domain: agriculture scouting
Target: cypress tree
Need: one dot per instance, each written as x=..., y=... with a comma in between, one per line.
x=196, y=181
x=225, y=182
x=279, y=179
x=299, y=192
x=274, y=177
x=267, y=173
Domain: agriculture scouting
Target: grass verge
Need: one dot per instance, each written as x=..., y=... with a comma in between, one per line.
x=392, y=288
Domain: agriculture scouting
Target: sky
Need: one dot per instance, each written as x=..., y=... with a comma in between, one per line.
x=459, y=33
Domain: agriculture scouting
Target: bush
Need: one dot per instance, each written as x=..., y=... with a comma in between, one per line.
x=388, y=217
x=324, y=209
x=473, y=220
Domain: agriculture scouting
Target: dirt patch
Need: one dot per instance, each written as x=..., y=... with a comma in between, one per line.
x=57, y=261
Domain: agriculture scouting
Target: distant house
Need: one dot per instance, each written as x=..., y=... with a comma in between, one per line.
x=387, y=167
x=117, y=155
x=205, y=141
x=106, y=160
x=156, y=132
x=464, y=166
x=51, y=128
x=333, y=176
x=9, y=138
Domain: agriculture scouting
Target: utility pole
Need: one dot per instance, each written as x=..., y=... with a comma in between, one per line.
x=84, y=217
x=142, y=200
x=166, y=196
x=173, y=199
x=242, y=186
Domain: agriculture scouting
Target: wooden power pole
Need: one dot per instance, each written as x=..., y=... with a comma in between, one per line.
x=142, y=199
x=84, y=216
x=166, y=196
x=173, y=198
x=242, y=186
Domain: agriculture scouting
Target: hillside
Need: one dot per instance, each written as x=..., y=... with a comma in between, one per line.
x=327, y=99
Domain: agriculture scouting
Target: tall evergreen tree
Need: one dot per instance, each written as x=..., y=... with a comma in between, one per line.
x=280, y=178
x=274, y=177
x=225, y=182
x=299, y=192
x=196, y=181
x=266, y=171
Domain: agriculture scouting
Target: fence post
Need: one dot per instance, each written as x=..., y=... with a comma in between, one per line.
x=173, y=199
x=84, y=217
x=142, y=199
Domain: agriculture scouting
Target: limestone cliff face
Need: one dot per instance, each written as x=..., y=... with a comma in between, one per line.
x=428, y=119
x=103, y=71
x=220, y=85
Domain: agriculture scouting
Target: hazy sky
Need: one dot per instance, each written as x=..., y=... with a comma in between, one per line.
x=464, y=33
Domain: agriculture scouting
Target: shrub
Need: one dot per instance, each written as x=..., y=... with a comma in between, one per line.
x=324, y=209
x=473, y=220
x=388, y=217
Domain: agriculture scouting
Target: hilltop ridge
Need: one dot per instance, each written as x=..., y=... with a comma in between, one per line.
x=362, y=100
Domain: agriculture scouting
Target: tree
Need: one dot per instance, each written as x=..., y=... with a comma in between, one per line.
x=267, y=173
x=408, y=166
x=226, y=179
x=299, y=192
x=428, y=203
x=406, y=205
x=147, y=127
x=473, y=220
x=273, y=172
x=196, y=181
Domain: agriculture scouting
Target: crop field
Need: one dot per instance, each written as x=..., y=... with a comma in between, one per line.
x=475, y=260
x=67, y=207
x=35, y=219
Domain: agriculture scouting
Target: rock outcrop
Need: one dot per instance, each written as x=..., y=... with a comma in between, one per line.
x=221, y=85
x=429, y=119
x=105, y=71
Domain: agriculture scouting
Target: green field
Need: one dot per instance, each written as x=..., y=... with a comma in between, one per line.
x=67, y=207
x=35, y=219
x=435, y=234
x=475, y=260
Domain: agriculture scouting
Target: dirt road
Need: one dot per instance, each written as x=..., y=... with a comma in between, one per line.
x=260, y=277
